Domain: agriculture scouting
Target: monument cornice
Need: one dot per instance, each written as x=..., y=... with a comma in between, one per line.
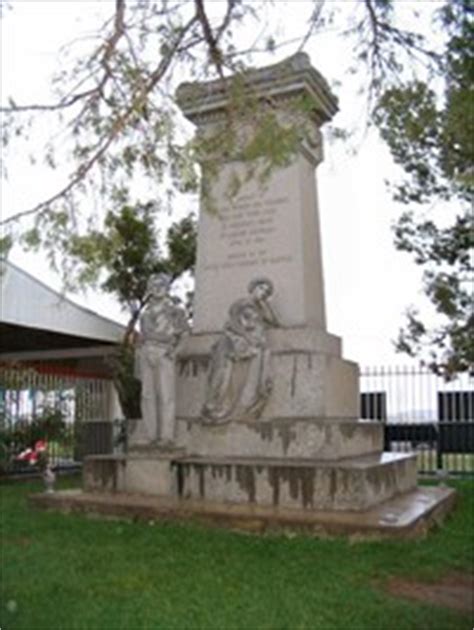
x=202, y=101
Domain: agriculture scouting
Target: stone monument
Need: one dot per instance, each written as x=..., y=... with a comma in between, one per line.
x=267, y=409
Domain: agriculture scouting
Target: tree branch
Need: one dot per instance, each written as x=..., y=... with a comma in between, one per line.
x=319, y=4
x=109, y=47
x=118, y=126
x=215, y=53
x=231, y=4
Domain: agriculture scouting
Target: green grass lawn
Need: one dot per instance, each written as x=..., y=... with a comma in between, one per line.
x=70, y=572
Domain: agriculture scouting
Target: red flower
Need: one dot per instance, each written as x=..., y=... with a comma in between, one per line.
x=31, y=455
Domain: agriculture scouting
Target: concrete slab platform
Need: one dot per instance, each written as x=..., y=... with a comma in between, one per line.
x=407, y=516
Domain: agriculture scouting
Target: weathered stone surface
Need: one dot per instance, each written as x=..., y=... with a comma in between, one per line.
x=251, y=235
x=199, y=101
x=351, y=484
x=305, y=384
x=150, y=472
x=103, y=473
x=287, y=339
x=354, y=484
x=286, y=439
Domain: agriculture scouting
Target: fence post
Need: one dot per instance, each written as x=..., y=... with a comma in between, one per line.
x=439, y=450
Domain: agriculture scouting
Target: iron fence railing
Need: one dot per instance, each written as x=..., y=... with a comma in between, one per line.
x=423, y=413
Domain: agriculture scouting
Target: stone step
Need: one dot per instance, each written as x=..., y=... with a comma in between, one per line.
x=350, y=484
x=407, y=516
x=314, y=438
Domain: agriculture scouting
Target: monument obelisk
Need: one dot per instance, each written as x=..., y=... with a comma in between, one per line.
x=270, y=227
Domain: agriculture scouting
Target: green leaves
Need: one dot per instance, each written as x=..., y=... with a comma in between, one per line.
x=181, y=242
x=409, y=122
x=125, y=253
x=272, y=141
x=6, y=243
x=446, y=253
x=430, y=135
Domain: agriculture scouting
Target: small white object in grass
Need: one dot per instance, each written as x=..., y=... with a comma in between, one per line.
x=12, y=606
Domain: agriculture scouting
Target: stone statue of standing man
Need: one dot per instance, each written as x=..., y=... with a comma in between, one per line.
x=162, y=324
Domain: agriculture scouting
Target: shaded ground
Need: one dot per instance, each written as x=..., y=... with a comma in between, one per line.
x=454, y=591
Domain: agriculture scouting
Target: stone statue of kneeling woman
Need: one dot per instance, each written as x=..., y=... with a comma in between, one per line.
x=240, y=379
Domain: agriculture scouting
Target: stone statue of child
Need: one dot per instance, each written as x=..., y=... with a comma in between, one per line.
x=162, y=324
x=240, y=381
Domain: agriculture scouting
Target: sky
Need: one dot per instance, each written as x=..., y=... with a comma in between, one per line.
x=368, y=284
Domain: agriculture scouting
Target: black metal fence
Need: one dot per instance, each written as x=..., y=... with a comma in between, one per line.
x=423, y=413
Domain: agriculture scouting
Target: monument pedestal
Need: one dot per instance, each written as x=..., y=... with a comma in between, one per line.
x=304, y=464
x=310, y=378
x=145, y=471
x=309, y=438
x=351, y=484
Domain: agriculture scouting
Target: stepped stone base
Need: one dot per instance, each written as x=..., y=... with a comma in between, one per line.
x=354, y=484
x=367, y=496
x=351, y=484
x=296, y=474
x=307, y=438
x=147, y=472
x=406, y=516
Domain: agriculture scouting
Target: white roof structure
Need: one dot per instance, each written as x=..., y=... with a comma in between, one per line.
x=34, y=317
